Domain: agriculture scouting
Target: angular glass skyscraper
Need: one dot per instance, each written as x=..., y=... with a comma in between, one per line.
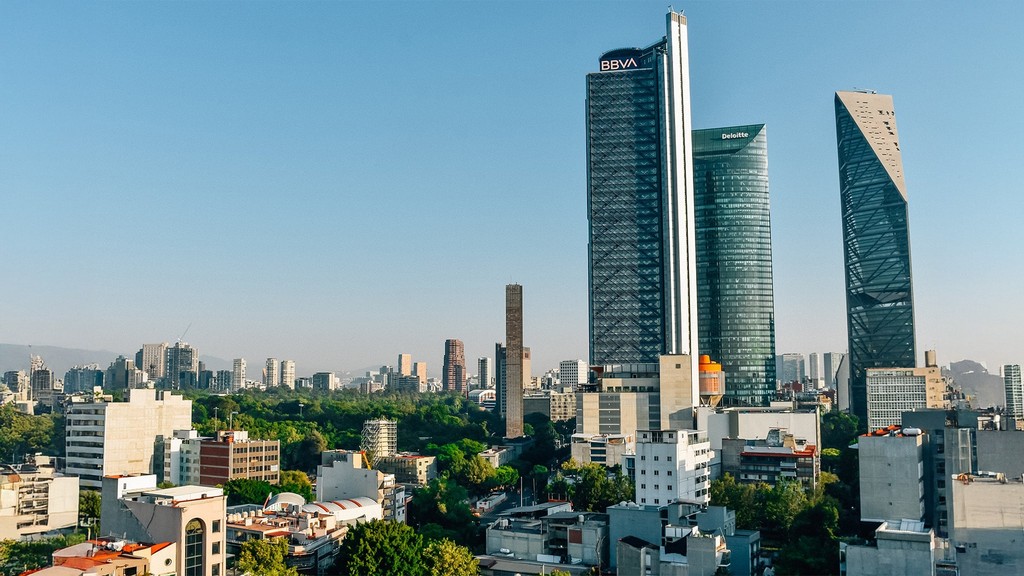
x=640, y=203
x=876, y=240
x=735, y=295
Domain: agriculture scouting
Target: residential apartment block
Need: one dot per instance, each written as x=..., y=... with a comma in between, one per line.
x=104, y=438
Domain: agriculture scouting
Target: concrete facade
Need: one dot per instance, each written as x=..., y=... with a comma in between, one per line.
x=986, y=518
x=193, y=516
x=893, y=391
x=672, y=465
x=557, y=406
x=35, y=499
x=891, y=476
x=104, y=438
x=343, y=474
x=410, y=468
x=904, y=548
x=754, y=424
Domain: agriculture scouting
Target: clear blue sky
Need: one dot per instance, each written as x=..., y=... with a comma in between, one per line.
x=339, y=182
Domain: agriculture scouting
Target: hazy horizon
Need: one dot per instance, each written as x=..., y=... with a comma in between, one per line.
x=336, y=183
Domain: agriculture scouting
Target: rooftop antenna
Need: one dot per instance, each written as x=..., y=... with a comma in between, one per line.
x=184, y=333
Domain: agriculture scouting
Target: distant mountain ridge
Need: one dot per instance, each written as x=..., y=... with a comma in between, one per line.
x=60, y=360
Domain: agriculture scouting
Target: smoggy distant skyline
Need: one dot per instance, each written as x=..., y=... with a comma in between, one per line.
x=336, y=183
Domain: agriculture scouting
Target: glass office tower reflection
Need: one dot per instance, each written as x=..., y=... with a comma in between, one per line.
x=735, y=296
x=876, y=240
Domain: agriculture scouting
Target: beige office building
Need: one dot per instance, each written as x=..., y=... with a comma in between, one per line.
x=191, y=516
x=893, y=391
x=104, y=438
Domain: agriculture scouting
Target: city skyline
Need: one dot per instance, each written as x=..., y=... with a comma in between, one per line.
x=162, y=137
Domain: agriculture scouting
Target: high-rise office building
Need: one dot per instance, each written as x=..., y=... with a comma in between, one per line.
x=640, y=203
x=735, y=294
x=814, y=369
x=831, y=362
x=876, y=240
x=238, y=375
x=182, y=366
x=791, y=367
x=325, y=381
x=1014, y=391
x=222, y=381
x=454, y=375
x=419, y=370
x=271, y=376
x=152, y=358
x=485, y=372
x=514, y=354
x=83, y=379
x=288, y=374
x=405, y=364
x=117, y=373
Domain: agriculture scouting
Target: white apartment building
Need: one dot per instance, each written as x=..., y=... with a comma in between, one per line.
x=1014, y=391
x=671, y=465
x=573, y=373
x=238, y=374
x=181, y=457
x=344, y=474
x=271, y=377
x=893, y=391
x=288, y=374
x=35, y=499
x=104, y=438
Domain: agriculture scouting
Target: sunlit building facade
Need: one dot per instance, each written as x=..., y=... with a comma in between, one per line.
x=640, y=203
x=735, y=295
x=876, y=240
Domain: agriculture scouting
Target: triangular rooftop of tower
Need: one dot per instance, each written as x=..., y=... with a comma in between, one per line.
x=875, y=116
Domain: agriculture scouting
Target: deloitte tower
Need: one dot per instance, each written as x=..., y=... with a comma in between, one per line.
x=640, y=203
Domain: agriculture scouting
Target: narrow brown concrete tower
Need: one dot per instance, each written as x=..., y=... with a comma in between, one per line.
x=514, y=361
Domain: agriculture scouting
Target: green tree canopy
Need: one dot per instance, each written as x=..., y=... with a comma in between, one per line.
x=381, y=548
x=17, y=556
x=444, y=504
x=22, y=434
x=446, y=558
x=298, y=482
x=591, y=487
x=265, y=557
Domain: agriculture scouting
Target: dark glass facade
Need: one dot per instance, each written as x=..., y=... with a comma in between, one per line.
x=627, y=297
x=735, y=297
x=876, y=241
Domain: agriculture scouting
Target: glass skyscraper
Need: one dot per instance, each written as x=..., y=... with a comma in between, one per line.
x=735, y=297
x=640, y=203
x=876, y=240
